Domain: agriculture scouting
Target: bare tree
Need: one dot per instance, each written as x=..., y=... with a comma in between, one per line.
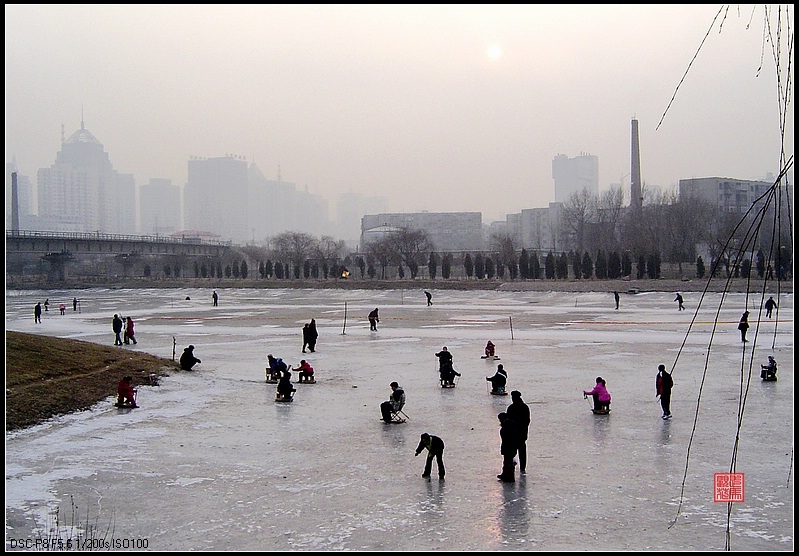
x=579, y=210
x=411, y=247
x=294, y=247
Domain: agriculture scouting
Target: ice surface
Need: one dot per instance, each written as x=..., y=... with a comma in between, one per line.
x=211, y=462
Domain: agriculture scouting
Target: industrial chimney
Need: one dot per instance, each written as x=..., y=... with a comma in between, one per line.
x=636, y=198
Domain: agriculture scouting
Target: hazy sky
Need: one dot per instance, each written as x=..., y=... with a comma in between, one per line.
x=443, y=108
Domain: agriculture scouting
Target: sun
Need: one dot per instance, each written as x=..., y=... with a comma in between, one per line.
x=494, y=52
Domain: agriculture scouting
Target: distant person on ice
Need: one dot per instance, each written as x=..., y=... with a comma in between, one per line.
x=187, y=359
x=498, y=381
x=373, y=320
x=770, y=306
x=490, y=349
x=616, y=298
x=429, y=298
x=678, y=299
x=37, y=313
x=126, y=395
x=215, y=297
x=435, y=449
x=600, y=394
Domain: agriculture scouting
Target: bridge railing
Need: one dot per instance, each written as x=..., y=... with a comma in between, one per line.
x=30, y=234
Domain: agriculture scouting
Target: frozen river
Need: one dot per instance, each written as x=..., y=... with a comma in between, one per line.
x=211, y=462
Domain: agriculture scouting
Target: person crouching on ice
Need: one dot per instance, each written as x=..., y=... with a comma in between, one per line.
x=490, y=349
x=600, y=394
x=126, y=395
x=305, y=372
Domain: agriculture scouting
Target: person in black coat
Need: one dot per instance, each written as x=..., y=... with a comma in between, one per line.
x=519, y=412
x=284, y=387
x=305, y=335
x=435, y=449
x=499, y=380
x=312, y=335
x=187, y=359
x=743, y=325
x=663, y=386
x=508, y=448
x=374, y=318
x=116, y=325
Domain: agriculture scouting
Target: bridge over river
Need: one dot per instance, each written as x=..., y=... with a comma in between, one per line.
x=58, y=249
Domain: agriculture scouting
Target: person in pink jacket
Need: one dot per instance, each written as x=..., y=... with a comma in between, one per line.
x=600, y=394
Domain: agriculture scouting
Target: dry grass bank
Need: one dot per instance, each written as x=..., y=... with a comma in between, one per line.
x=47, y=376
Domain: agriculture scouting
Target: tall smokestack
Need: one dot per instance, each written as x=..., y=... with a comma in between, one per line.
x=636, y=200
x=14, y=204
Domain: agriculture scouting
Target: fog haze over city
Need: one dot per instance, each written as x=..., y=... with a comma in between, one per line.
x=440, y=108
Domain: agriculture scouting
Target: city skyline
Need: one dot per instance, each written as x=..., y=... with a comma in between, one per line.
x=428, y=106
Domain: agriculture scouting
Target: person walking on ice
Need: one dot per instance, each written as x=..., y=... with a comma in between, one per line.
x=435, y=449
x=678, y=299
x=215, y=297
x=743, y=325
x=663, y=386
x=429, y=298
x=373, y=320
x=770, y=306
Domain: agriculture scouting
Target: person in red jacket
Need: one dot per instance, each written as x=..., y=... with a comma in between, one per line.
x=305, y=372
x=129, y=334
x=126, y=395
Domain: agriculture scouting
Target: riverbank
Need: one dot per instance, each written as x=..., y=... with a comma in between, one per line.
x=717, y=285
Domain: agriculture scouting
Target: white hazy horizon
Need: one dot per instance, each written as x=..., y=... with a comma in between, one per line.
x=430, y=107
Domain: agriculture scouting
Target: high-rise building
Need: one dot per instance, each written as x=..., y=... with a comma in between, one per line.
x=159, y=207
x=572, y=175
x=82, y=192
x=216, y=197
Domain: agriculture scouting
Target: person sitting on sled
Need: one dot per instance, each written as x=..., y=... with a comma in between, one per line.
x=448, y=374
x=600, y=394
x=498, y=381
x=126, y=395
x=305, y=372
x=490, y=349
x=769, y=371
x=284, y=387
x=276, y=367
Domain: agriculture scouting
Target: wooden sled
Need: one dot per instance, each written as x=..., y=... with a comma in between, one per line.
x=284, y=399
x=600, y=411
x=490, y=357
x=493, y=393
x=443, y=385
x=312, y=381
